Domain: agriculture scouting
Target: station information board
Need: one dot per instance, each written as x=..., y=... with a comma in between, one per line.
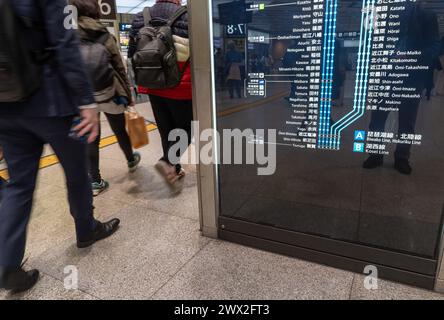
x=350, y=86
x=393, y=61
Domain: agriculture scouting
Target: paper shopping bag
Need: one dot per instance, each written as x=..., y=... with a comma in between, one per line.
x=136, y=127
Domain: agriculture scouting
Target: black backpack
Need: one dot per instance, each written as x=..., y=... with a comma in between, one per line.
x=20, y=68
x=155, y=60
x=97, y=60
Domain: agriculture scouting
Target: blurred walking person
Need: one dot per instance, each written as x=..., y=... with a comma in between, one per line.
x=112, y=89
x=233, y=62
x=45, y=97
x=172, y=107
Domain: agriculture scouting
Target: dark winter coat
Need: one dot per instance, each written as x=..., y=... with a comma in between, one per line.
x=65, y=85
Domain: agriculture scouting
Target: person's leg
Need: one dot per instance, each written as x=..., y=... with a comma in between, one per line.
x=22, y=151
x=408, y=113
x=230, y=84
x=165, y=124
x=238, y=85
x=94, y=159
x=73, y=157
x=429, y=85
x=99, y=185
x=429, y=92
x=183, y=116
x=378, y=120
x=117, y=123
x=377, y=124
x=164, y=121
x=182, y=111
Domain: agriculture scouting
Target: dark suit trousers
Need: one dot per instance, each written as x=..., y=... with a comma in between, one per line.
x=23, y=139
x=408, y=113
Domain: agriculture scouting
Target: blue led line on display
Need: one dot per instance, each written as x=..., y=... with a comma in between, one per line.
x=364, y=80
x=358, y=75
x=327, y=70
x=332, y=62
x=363, y=84
x=365, y=46
x=323, y=87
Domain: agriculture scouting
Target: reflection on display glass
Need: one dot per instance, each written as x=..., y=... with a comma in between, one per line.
x=124, y=29
x=355, y=90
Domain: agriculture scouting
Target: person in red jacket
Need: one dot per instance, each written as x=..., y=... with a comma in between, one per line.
x=172, y=108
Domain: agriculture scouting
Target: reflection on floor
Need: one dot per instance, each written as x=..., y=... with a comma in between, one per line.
x=159, y=252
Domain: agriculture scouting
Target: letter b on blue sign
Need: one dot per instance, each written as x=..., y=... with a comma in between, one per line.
x=358, y=147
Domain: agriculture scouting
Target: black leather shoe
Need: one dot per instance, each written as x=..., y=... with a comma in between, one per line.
x=373, y=162
x=403, y=166
x=102, y=231
x=17, y=280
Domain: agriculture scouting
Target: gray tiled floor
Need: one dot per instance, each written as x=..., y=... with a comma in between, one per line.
x=159, y=254
x=48, y=288
x=148, y=250
x=227, y=271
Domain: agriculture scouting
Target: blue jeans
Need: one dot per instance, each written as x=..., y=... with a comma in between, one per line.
x=23, y=139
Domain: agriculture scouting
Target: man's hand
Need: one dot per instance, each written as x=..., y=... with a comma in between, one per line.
x=89, y=124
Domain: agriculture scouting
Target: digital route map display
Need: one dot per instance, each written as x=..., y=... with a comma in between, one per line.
x=353, y=90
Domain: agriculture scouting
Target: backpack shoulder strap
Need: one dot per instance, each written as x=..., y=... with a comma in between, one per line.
x=103, y=38
x=177, y=15
x=147, y=16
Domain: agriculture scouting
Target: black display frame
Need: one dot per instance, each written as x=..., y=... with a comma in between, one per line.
x=394, y=266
